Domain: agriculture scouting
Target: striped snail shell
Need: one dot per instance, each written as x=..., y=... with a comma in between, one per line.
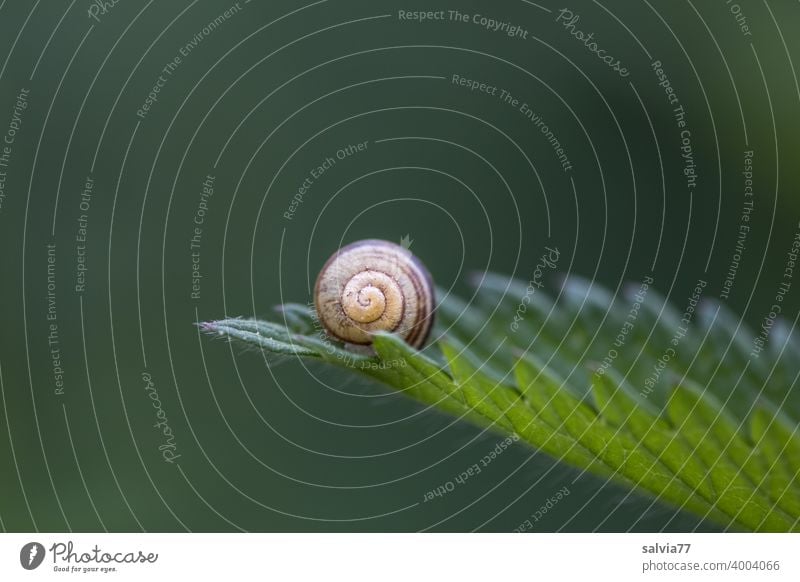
x=375, y=285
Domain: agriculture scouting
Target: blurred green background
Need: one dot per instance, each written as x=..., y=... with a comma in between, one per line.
x=260, y=98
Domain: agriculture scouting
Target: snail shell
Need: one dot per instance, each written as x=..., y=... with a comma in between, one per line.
x=375, y=285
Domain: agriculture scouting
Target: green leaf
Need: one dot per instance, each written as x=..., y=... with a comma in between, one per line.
x=263, y=334
x=617, y=403
x=475, y=388
x=299, y=318
x=779, y=445
x=735, y=467
x=696, y=446
x=419, y=377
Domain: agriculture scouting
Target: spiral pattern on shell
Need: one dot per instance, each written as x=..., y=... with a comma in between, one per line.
x=375, y=285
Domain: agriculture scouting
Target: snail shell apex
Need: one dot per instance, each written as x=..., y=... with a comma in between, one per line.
x=375, y=285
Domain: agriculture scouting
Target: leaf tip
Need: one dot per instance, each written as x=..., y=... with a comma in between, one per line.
x=208, y=326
